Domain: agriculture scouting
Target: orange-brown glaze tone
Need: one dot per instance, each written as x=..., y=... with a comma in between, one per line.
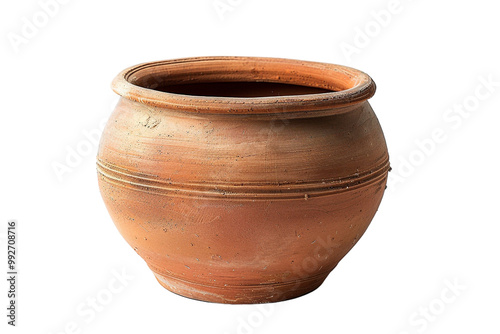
x=242, y=180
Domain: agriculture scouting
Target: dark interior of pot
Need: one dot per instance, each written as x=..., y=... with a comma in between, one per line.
x=239, y=89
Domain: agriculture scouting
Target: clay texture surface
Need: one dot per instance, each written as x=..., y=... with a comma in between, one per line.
x=242, y=180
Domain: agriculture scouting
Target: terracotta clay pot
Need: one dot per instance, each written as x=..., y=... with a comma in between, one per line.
x=242, y=180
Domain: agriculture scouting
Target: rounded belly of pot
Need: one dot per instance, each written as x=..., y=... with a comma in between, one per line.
x=227, y=201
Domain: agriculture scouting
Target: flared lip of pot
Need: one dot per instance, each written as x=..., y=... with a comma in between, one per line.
x=348, y=86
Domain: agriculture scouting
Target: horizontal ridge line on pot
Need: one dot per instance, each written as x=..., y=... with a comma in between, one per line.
x=298, y=185
x=243, y=190
x=346, y=86
x=156, y=270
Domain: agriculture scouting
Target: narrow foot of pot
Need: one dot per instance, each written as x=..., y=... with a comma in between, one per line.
x=241, y=294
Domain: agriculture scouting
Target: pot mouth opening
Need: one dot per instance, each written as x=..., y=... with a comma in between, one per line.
x=238, y=89
x=244, y=85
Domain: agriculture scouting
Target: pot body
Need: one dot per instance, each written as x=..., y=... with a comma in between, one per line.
x=235, y=209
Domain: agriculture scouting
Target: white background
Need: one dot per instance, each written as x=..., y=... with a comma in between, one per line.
x=438, y=224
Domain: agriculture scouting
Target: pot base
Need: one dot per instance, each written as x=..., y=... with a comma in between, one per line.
x=241, y=294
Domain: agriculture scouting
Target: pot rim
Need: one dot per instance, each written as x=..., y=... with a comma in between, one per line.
x=349, y=86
